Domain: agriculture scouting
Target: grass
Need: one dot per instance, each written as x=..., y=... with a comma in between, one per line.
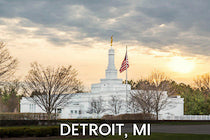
x=183, y=123
x=154, y=136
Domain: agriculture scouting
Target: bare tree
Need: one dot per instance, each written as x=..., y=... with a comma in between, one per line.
x=142, y=101
x=159, y=85
x=151, y=94
x=115, y=105
x=133, y=106
x=203, y=82
x=7, y=63
x=49, y=87
x=141, y=98
x=96, y=105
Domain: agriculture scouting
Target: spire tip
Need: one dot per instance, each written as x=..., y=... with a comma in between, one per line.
x=111, y=40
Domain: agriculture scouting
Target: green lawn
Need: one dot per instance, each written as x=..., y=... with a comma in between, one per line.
x=154, y=136
x=184, y=123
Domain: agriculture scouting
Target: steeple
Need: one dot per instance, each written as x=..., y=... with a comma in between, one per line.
x=110, y=84
x=111, y=71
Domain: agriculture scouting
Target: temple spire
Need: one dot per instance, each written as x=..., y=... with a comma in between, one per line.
x=111, y=40
x=111, y=72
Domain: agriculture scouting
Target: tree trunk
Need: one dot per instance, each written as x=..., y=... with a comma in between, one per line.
x=156, y=115
x=48, y=115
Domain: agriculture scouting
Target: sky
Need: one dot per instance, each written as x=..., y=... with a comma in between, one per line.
x=172, y=36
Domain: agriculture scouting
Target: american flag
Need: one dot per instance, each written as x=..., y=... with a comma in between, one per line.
x=125, y=64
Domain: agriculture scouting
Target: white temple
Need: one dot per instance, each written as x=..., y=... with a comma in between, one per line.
x=111, y=85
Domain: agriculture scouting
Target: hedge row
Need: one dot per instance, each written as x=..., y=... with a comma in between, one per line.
x=26, y=116
x=137, y=116
x=28, y=123
x=29, y=132
x=47, y=122
x=80, y=120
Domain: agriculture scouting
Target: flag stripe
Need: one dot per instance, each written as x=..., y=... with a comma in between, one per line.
x=125, y=63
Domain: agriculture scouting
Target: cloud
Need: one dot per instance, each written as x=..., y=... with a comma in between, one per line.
x=151, y=23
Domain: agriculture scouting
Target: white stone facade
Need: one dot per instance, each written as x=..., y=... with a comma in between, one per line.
x=109, y=86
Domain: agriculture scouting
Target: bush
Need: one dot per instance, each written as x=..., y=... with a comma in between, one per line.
x=26, y=116
x=80, y=120
x=28, y=122
x=138, y=116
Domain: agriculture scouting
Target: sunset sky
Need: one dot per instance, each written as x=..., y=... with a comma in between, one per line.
x=172, y=36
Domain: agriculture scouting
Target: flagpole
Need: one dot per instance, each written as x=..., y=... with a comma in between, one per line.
x=126, y=82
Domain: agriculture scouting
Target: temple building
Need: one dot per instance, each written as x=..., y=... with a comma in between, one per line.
x=79, y=105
